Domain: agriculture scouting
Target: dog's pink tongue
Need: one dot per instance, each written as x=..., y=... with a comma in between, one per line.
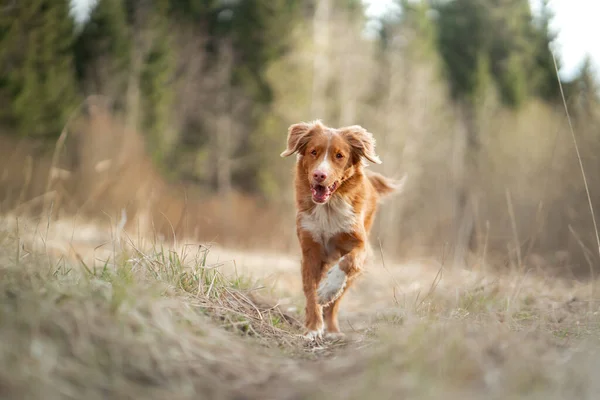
x=320, y=193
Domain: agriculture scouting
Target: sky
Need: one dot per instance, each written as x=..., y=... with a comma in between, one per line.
x=578, y=31
x=576, y=22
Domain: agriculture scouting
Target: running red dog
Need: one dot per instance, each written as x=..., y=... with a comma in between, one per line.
x=336, y=201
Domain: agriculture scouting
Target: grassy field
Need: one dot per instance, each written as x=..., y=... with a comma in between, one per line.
x=87, y=312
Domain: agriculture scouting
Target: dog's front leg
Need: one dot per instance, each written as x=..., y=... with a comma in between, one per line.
x=339, y=278
x=312, y=269
x=352, y=247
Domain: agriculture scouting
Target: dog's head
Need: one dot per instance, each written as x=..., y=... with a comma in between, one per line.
x=329, y=156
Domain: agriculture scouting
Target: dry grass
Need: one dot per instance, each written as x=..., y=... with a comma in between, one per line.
x=140, y=324
x=145, y=321
x=88, y=174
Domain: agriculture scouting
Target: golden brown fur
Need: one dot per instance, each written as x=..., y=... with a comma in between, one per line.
x=336, y=201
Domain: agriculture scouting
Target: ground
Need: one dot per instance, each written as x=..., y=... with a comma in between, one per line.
x=90, y=312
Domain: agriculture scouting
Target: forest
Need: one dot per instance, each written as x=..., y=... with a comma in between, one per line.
x=148, y=244
x=174, y=113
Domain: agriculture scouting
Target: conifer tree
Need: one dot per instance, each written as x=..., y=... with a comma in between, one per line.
x=156, y=83
x=505, y=33
x=38, y=88
x=103, y=51
x=543, y=73
x=585, y=89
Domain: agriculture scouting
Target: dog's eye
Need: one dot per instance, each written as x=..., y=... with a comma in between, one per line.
x=339, y=155
x=314, y=152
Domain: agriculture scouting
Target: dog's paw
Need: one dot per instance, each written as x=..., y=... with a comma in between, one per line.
x=332, y=286
x=312, y=336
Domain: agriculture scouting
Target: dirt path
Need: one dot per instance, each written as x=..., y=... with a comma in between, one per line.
x=381, y=290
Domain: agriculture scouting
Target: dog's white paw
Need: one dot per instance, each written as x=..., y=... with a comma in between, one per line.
x=311, y=336
x=332, y=286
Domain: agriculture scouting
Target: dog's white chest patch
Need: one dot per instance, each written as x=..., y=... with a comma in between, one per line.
x=327, y=220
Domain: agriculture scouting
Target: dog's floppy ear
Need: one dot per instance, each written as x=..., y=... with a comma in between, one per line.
x=362, y=142
x=298, y=135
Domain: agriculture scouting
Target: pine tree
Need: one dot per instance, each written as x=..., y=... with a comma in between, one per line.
x=37, y=78
x=466, y=48
x=544, y=74
x=495, y=44
x=257, y=30
x=462, y=41
x=198, y=11
x=499, y=30
x=157, y=85
x=585, y=89
x=258, y=33
x=103, y=51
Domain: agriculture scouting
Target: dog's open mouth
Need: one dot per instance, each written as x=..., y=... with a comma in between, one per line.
x=321, y=193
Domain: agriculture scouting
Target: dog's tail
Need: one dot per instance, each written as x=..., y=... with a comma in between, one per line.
x=385, y=186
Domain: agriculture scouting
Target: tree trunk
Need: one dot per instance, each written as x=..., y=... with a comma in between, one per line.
x=224, y=133
x=141, y=45
x=223, y=150
x=466, y=172
x=321, y=20
x=391, y=142
x=133, y=92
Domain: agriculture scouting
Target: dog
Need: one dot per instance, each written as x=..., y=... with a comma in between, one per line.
x=336, y=202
